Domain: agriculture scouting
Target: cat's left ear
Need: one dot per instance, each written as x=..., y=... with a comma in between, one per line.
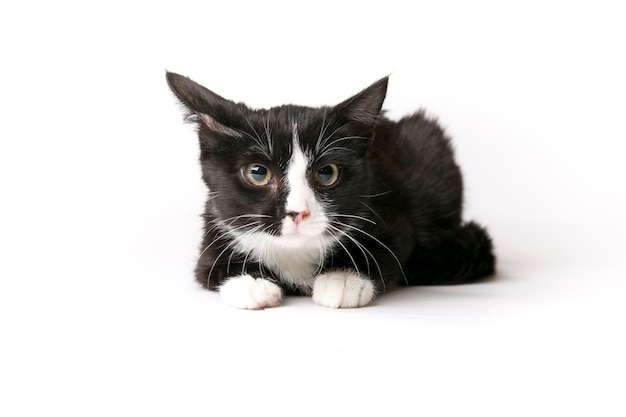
x=365, y=106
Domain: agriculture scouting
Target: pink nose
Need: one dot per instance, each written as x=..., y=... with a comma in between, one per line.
x=298, y=216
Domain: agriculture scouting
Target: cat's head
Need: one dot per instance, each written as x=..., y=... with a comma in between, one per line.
x=293, y=175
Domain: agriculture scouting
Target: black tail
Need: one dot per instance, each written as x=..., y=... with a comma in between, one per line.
x=465, y=255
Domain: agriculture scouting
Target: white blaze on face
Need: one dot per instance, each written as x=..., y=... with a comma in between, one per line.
x=300, y=197
x=307, y=218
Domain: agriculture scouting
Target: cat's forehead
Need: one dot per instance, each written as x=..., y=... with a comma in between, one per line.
x=286, y=125
x=282, y=119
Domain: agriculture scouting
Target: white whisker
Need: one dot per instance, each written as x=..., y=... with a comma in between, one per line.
x=266, y=149
x=268, y=132
x=377, y=241
x=226, y=233
x=322, y=145
x=251, y=232
x=338, y=240
x=352, y=216
x=332, y=145
x=358, y=245
x=218, y=257
x=372, y=210
x=225, y=226
x=376, y=195
x=335, y=149
x=322, y=132
x=364, y=250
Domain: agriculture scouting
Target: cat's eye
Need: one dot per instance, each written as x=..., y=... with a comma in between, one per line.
x=327, y=175
x=257, y=174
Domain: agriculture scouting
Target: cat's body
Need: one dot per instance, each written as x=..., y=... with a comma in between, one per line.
x=336, y=202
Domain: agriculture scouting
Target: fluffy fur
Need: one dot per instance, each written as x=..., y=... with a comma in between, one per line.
x=335, y=202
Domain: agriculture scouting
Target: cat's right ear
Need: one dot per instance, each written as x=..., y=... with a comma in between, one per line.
x=364, y=107
x=204, y=106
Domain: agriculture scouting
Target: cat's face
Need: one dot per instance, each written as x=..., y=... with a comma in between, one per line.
x=295, y=181
x=289, y=176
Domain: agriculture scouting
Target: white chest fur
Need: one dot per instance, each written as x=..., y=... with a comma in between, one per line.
x=297, y=265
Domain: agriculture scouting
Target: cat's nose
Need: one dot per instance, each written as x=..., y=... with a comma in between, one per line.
x=298, y=216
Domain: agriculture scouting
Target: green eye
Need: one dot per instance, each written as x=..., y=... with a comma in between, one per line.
x=327, y=175
x=257, y=174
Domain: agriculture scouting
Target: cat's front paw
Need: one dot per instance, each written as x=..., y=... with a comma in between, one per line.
x=342, y=289
x=247, y=292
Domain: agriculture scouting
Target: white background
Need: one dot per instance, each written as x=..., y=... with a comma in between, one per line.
x=101, y=196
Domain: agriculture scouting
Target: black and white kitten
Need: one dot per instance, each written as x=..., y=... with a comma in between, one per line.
x=335, y=202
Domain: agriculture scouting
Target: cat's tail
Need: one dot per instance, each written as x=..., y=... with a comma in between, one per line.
x=465, y=255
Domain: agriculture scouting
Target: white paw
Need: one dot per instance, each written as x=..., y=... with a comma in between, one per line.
x=250, y=293
x=342, y=289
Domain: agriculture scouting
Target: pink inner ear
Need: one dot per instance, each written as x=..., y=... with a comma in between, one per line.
x=216, y=126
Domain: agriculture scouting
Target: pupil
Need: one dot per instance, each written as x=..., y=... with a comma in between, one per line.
x=326, y=173
x=258, y=172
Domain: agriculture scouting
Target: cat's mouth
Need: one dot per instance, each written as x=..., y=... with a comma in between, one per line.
x=299, y=233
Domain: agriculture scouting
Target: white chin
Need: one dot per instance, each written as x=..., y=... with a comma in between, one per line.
x=296, y=240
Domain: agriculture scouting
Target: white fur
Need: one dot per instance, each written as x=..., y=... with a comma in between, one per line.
x=342, y=289
x=301, y=197
x=250, y=293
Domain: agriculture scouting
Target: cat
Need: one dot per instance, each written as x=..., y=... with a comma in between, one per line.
x=339, y=202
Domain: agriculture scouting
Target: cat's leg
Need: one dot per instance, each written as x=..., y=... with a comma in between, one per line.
x=343, y=289
x=247, y=292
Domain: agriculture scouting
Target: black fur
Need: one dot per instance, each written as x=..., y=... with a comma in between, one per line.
x=399, y=180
